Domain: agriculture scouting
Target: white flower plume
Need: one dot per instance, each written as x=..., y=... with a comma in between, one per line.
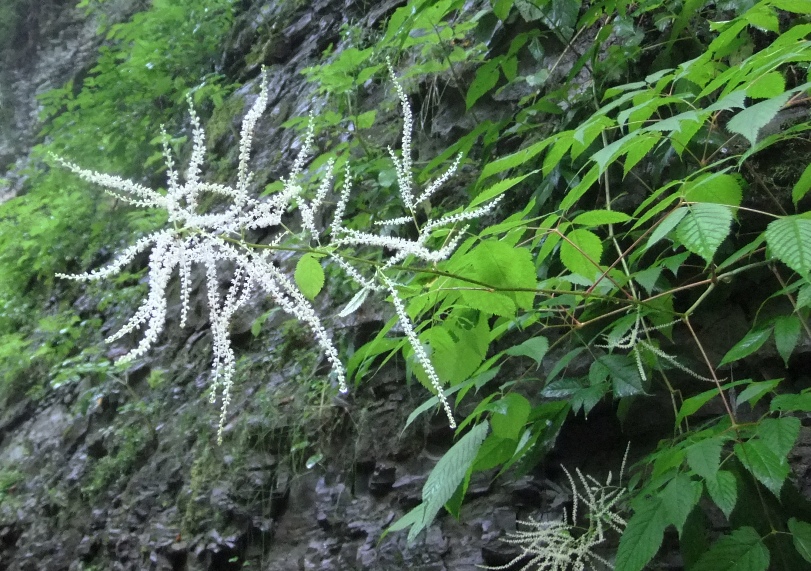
x=212, y=240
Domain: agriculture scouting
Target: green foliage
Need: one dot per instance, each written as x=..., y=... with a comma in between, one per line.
x=650, y=181
x=631, y=171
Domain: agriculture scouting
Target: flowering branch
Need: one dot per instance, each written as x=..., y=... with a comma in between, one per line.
x=212, y=240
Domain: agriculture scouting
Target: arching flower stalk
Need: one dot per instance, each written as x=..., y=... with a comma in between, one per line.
x=212, y=240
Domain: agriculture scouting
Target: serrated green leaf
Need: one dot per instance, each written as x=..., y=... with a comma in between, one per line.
x=600, y=217
x=534, y=348
x=704, y=457
x=679, y=497
x=495, y=451
x=789, y=239
x=691, y=405
x=509, y=416
x=309, y=276
x=769, y=84
x=767, y=467
x=796, y=6
x=486, y=78
x=804, y=297
x=717, y=188
x=587, y=398
x=665, y=226
x=497, y=189
x=443, y=481
x=647, y=278
x=801, y=536
x=723, y=490
x=789, y=403
x=779, y=434
x=575, y=194
x=501, y=8
x=742, y=550
x=499, y=265
x=786, y=335
x=642, y=536
x=803, y=185
x=563, y=143
x=621, y=371
x=515, y=159
x=755, y=391
x=704, y=228
x=752, y=119
x=581, y=251
x=638, y=149
x=751, y=342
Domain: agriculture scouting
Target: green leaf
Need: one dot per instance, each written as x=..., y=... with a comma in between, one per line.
x=755, y=391
x=801, y=536
x=486, y=78
x=704, y=228
x=763, y=463
x=499, y=188
x=790, y=403
x=789, y=239
x=751, y=342
x=679, y=498
x=515, y=159
x=354, y=303
x=638, y=149
x=796, y=6
x=769, y=84
x=786, y=335
x=309, y=275
x=581, y=251
x=534, y=348
x=600, y=217
x=779, y=434
x=717, y=188
x=578, y=191
x=510, y=415
x=621, y=371
x=502, y=266
x=704, y=457
x=443, y=481
x=803, y=185
x=642, y=536
x=723, y=489
x=752, y=119
x=804, y=297
x=691, y=405
x=742, y=550
x=366, y=120
x=501, y=8
x=666, y=225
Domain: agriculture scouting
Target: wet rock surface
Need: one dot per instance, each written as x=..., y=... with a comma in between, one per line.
x=127, y=476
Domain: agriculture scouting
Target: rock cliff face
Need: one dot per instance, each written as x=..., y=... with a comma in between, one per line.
x=123, y=472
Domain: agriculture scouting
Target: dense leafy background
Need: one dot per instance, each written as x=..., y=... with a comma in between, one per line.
x=654, y=162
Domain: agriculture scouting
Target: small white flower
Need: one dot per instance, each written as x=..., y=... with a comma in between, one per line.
x=211, y=241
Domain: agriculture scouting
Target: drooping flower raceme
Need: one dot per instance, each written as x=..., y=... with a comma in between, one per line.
x=212, y=241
